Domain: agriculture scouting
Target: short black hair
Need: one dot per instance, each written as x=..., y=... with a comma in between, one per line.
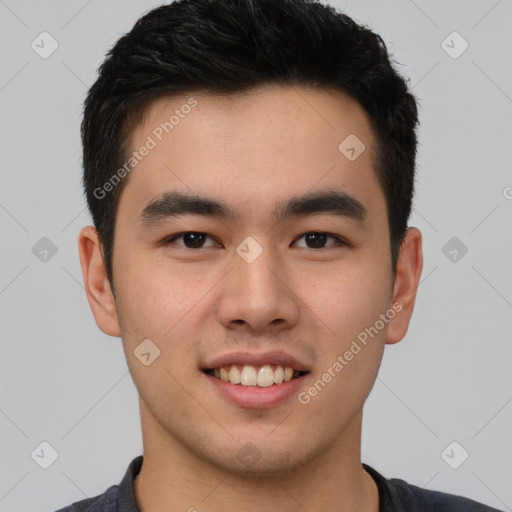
x=229, y=46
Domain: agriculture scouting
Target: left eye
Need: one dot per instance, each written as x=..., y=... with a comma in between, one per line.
x=195, y=240
x=318, y=238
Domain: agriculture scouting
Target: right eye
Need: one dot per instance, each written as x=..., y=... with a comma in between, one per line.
x=191, y=239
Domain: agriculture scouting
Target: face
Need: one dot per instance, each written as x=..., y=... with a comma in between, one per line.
x=279, y=257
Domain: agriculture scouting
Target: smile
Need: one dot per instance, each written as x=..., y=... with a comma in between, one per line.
x=263, y=376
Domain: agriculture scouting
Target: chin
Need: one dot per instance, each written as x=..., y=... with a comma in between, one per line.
x=262, y=464
x=259, y=455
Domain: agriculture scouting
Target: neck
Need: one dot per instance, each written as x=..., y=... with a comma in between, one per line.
x=174, y=479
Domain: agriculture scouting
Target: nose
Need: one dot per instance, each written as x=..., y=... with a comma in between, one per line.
x=258, y=295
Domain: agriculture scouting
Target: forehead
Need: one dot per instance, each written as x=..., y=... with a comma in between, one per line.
x=254, y=147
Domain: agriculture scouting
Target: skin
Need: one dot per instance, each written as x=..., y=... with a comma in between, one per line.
x=253, y=150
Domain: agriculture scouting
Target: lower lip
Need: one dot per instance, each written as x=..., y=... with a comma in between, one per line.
x=256, y=397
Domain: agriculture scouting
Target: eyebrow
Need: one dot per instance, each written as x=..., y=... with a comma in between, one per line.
x=332, y=202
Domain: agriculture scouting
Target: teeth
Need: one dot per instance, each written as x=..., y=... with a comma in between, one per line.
x=248, y=377
x=224, y=375
x=278, y=374
x=264, y=376
x=234, y=375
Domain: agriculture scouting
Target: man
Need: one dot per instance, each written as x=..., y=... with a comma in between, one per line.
x=249, y=167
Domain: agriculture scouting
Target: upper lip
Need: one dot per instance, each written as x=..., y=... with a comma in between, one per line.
x=256, y=359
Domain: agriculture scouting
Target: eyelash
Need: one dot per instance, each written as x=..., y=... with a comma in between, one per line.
x=339, y=241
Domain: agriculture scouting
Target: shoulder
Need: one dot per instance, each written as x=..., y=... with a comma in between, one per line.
x=105, y=502
x=116, y=498
x=435, y=501
x=397, y=495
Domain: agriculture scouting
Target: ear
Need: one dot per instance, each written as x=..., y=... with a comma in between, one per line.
x=408, y=272
x=97, y=286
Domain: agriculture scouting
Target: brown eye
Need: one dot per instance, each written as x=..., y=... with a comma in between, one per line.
x=317, y=239
x=191, y=239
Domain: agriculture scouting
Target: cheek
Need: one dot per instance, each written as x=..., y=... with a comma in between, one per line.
x=156, y=304
x=156, y=295
x=348, y=310
x=345, y=301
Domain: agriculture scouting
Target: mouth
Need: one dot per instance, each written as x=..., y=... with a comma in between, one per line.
x=261, y=376
x=256, y=380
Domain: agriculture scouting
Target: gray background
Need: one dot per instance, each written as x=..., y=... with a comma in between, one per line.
x=66, y=383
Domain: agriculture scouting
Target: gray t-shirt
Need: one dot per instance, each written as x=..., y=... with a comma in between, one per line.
x=395, y=495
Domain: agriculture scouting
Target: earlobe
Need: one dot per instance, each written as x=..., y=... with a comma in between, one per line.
x=408, y=273
x=97, y=286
